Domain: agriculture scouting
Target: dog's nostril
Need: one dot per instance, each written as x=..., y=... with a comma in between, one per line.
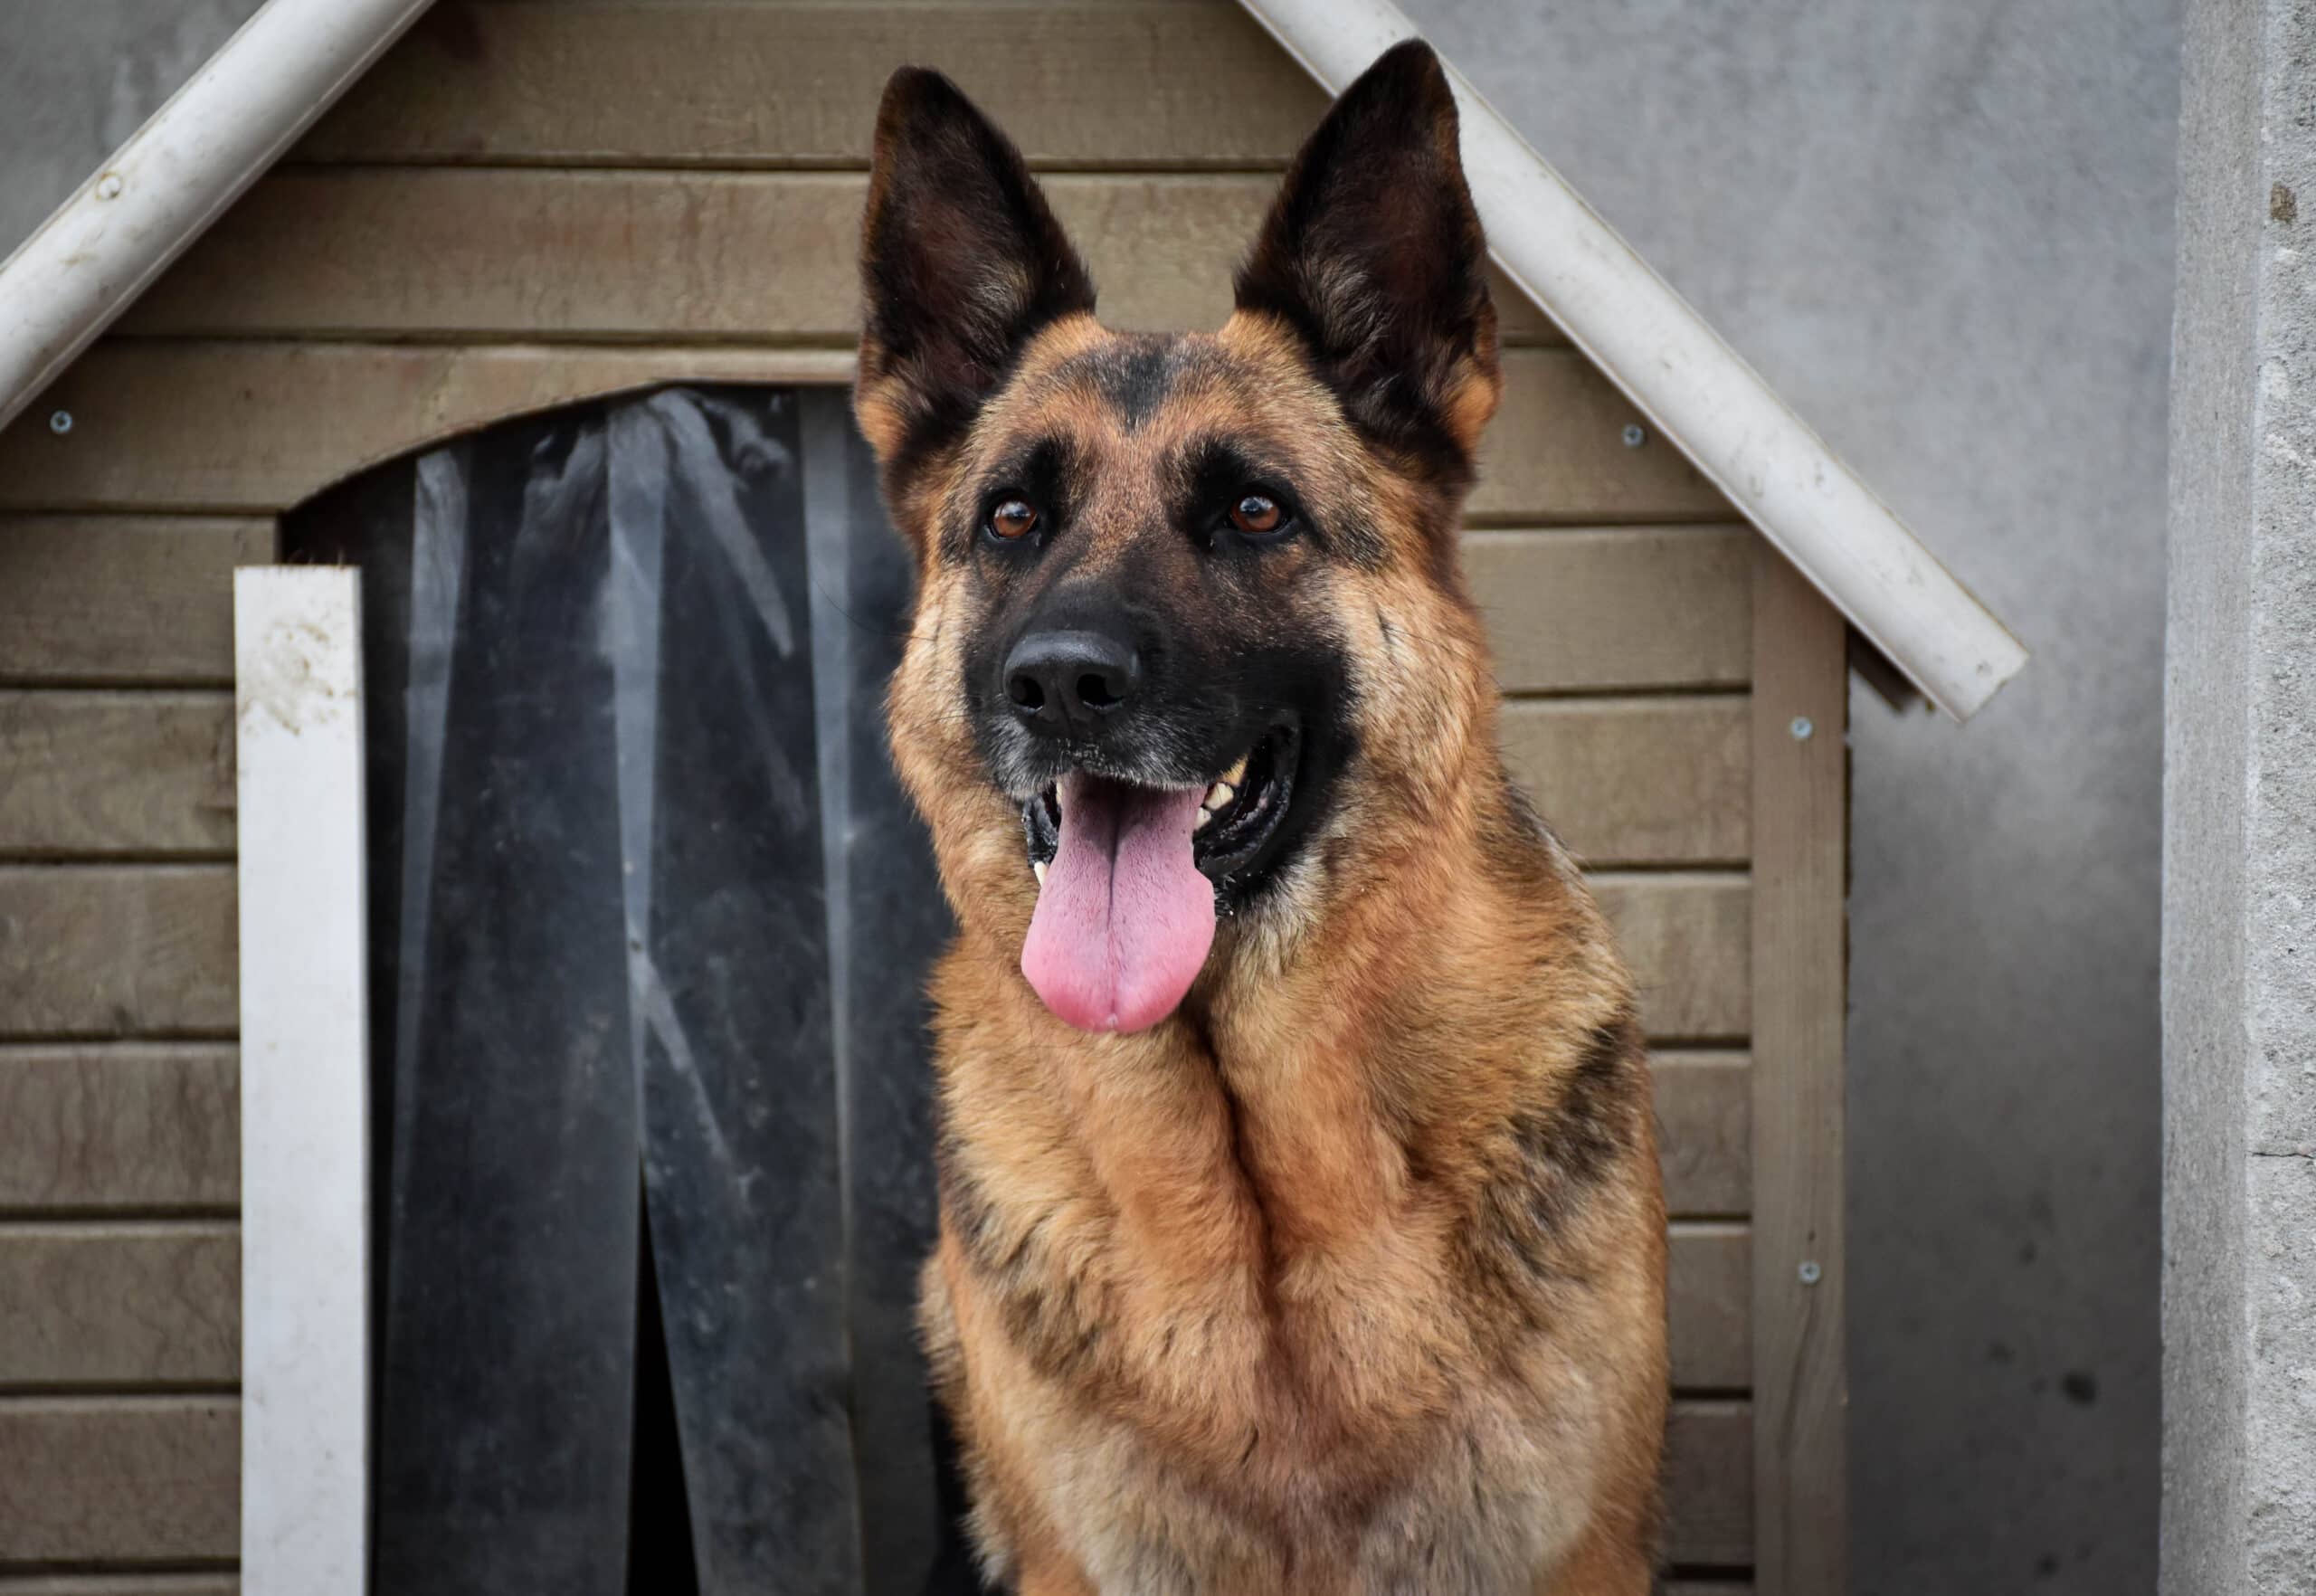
x=1096, y=692
x=1023, y=690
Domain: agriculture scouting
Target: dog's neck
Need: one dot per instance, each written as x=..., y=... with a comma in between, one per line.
x=1333, y=1059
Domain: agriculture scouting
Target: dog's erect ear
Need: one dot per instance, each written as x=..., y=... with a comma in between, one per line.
x=961, y=260
x=1374, y=255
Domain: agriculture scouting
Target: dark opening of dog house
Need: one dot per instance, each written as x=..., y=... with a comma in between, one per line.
x=649, y=925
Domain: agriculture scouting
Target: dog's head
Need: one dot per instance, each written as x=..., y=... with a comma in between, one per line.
x=1191, y=639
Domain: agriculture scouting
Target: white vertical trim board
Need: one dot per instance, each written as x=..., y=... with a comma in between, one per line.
x=1679, y=373
x=305, y=1081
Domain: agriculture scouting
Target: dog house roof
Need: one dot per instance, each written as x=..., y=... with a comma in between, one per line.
x=244, y=109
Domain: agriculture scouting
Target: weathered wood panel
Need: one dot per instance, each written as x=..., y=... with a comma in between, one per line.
x=121, y=1303
x=1687, y=937
x=262, y=427
x=122, y=600
x=500, y=254
x=1709, y=1286
x=124, y=1126
x=1709, y=1485
x=152, y=1584
x=1555, y=453
x=1637, y=781
x=1704, y=1131
x=259, y=427
x=761, y=84
x=116, y=950
x=119, y=1480
x=91, y=772
x=1657, y=606
x=1801, y=846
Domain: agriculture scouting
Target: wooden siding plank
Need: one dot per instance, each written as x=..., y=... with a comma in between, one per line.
x=499, y=254
x=262, y=427
x=1555, y=453
x=137, y=1584
x=798, y=84
x=126, y=1125
x=207, y=426
x=96, y=950
x=1687, y=937
x=1637, y=781
x=121, y=1303
x=1704, y=1131
x=91, y=772
x=1657, y=606
x=142, y=1480
x=1801, y=849
x=1709, y=1289
x=1709, y=1485
x=122, y=600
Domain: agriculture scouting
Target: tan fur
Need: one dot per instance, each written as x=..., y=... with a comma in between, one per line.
x=1346, y=1278
x=1214, y=1332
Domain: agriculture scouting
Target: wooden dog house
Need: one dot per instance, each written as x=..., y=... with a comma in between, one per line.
x=526, y=204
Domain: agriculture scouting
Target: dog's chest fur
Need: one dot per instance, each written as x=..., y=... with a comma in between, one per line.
x=1244, y=1330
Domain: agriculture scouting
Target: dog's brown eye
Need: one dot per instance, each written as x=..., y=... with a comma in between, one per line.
x=1255, y=514
x=1013, y=517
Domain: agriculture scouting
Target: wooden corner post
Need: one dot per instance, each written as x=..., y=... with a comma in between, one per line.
x=1800, y=1011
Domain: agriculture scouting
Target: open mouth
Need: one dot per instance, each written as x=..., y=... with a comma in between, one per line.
x=1237, y=814
x=1131, y=879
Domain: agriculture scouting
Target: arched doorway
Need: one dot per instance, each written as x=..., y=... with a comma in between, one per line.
x=648, y=919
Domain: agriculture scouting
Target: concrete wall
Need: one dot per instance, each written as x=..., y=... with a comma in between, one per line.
x=2239, y=990
x=1944, y=229
x=77, y=77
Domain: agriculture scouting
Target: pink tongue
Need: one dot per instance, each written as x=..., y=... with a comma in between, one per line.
x=1124, y=919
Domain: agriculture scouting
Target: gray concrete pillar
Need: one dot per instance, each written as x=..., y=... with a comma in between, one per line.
x=2239, y=918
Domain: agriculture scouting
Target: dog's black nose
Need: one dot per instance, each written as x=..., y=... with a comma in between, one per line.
x=1070, y=680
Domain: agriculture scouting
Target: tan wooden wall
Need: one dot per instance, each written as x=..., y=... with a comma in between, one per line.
x=532, y=202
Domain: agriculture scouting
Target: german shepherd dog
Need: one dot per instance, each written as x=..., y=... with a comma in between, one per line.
x=1300, y=1221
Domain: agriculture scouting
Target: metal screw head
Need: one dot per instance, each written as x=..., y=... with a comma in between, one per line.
x=1635, y=434
x=60, y=423
x=1810, y=1273
x=1802, y=727
x=109, y=185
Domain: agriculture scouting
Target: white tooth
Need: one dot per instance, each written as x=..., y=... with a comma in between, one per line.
x=1039, y=866
x=1237, y=773
x=1218, y=795
x=1199, y=824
